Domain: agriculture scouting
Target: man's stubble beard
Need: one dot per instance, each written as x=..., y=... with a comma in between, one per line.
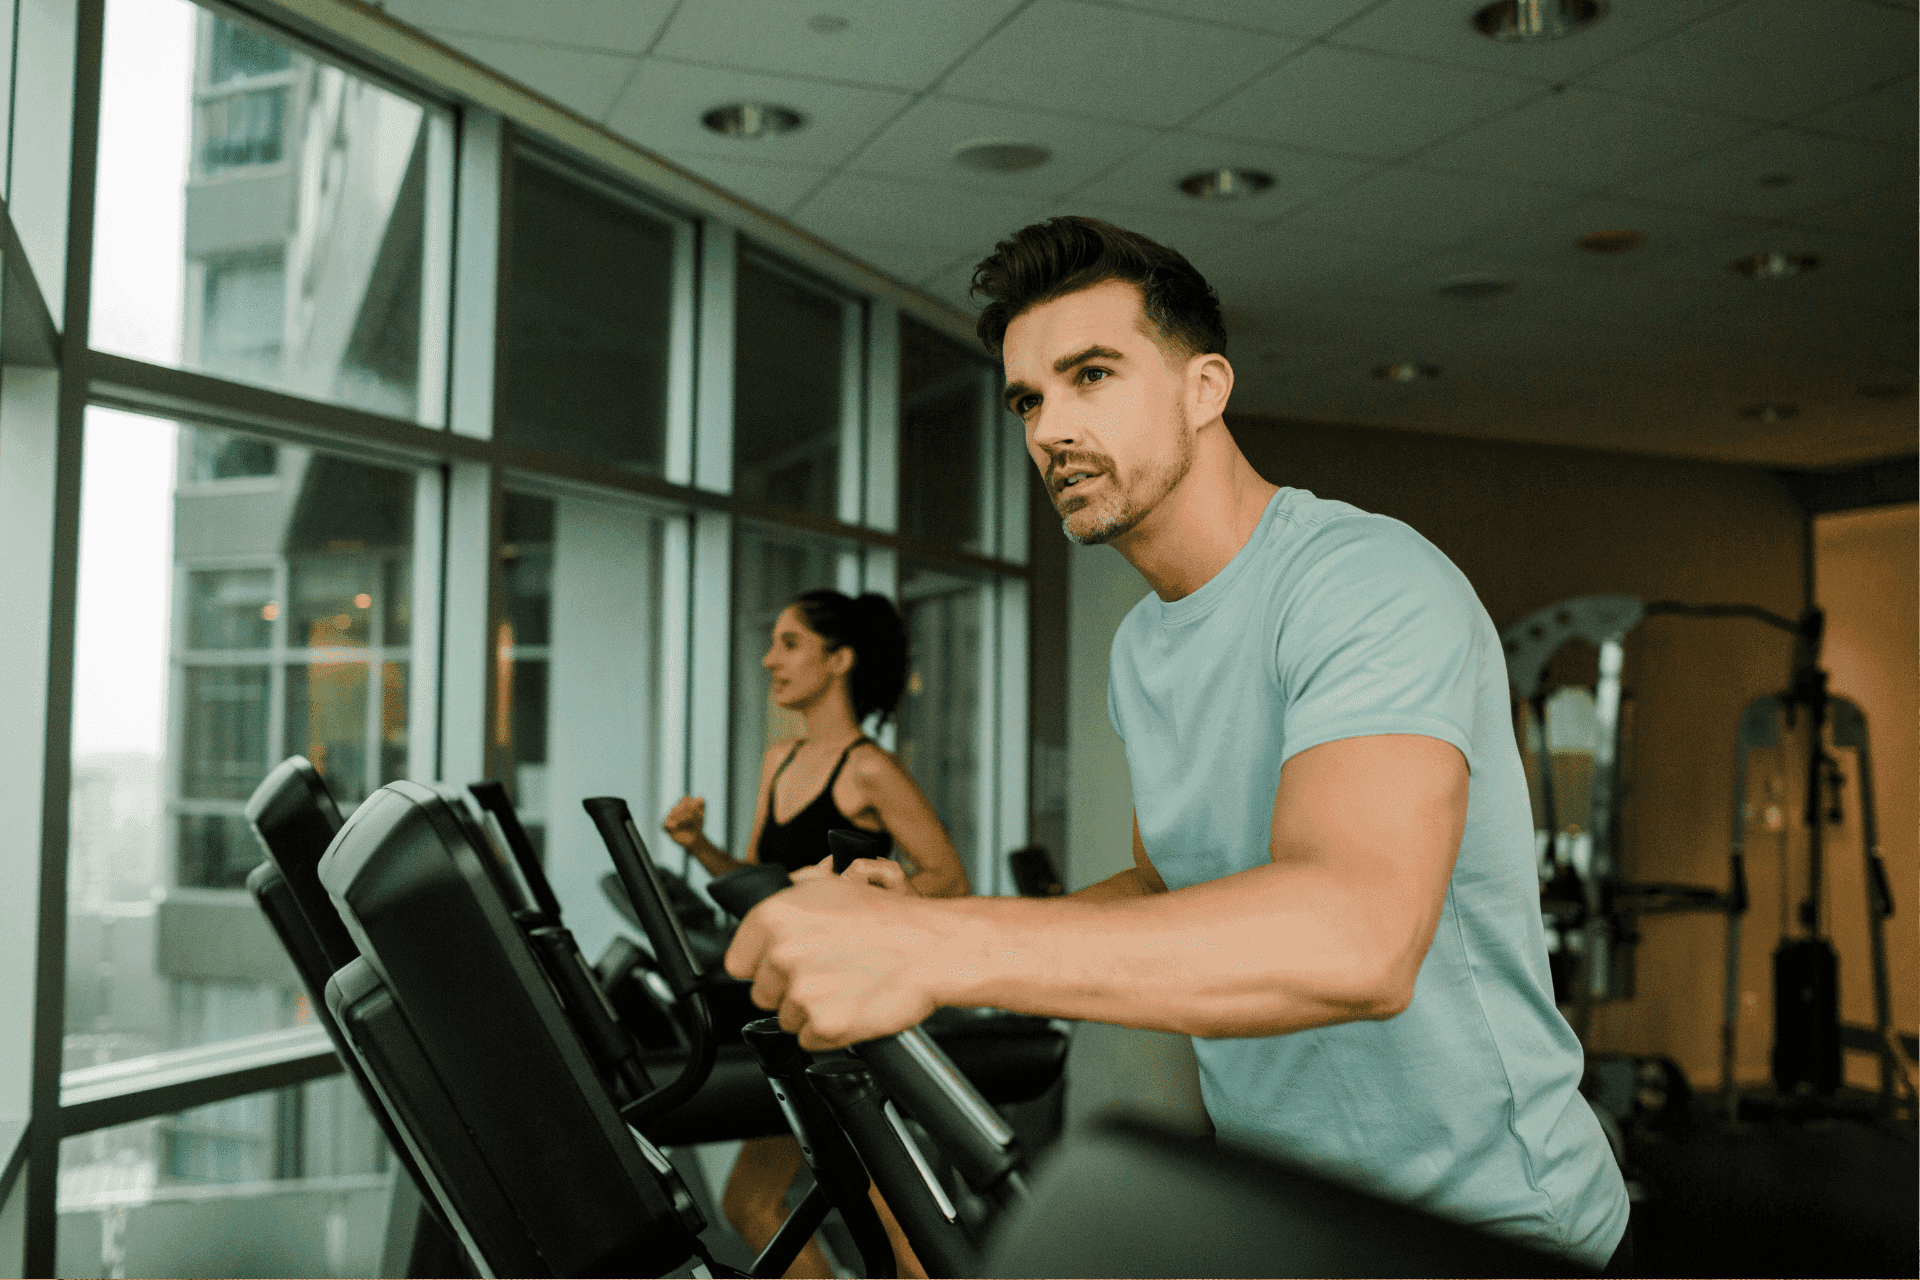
x=1124, y=511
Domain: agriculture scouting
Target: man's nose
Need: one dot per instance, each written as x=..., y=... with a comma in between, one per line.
x=1053, y=429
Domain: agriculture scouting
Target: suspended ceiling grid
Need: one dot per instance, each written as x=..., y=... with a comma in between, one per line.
x=1407, y=150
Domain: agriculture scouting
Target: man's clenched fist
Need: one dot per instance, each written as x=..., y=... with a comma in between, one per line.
x=842, y=961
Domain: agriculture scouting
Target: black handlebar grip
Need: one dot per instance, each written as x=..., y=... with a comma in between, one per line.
x=908, y=1186
x=739, y=892
x=836, y=1166
x=847, y=846
x=492, y=798
x=634, y=865
x=920, y=1077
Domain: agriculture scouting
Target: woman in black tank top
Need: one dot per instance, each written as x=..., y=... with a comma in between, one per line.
x=836, y=661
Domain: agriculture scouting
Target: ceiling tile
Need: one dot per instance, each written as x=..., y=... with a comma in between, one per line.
x=1546, y=236
x=1582, y=139
x=1886, y=114
x=773, y=187
x=951, y=284
x=577, y=79
x=920, y=146
x=1361, y=103
x=1419, y=206
x=906, y=44
x=661, y=110
x=1443, y=30
x=943, y=219
x=1822, y=170
x=1290, y=18
x=1890, y=212
x=1151, y=179
x=1118, y=64
x=627, y=27
x=1771, y=59
x=910, y=263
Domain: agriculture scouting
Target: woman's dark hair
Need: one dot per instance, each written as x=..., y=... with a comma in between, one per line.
x=1060, y=256
x=876, y=633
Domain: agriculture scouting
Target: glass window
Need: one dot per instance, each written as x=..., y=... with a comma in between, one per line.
x=946, y=394
x=941, y=714
x=589, y=316
x=187, y=1194
x=796, y=362
x=222, y=455
x=578, y=662
x=220, y=629
x=236, y=52
x=770, y=567
x=262, y=215
x=243, y=316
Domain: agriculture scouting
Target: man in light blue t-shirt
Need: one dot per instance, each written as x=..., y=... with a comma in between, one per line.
x=1334, y=888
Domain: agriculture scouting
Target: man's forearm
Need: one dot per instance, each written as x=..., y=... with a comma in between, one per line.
x=1275, y=949
x=1126, y=884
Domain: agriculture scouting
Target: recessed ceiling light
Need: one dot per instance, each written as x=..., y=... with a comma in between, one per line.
x=1773, y=412
x=1405, y=371
x=1612, y=241
x=1473, y=288
x=1771, y=264
x=993, y=155
x=752, y=120
x=828, y=24
x=1537, y=19
x=1225, y=184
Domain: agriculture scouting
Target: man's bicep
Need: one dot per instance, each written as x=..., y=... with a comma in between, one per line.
x=1149, y=874
x=1385, y=812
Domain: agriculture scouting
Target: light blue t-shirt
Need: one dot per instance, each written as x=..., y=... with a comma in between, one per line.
x=1335, y=623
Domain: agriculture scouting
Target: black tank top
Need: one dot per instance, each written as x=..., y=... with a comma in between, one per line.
x=801, y=841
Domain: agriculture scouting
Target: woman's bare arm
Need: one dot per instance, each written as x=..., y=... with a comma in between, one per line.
x=686, y=822
x=887, y=791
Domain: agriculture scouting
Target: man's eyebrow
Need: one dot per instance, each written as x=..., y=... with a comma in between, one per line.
x=1014, y=390
x=1095, y=352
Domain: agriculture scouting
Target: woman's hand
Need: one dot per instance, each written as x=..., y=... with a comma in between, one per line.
x=881, y=873
x=686, y=821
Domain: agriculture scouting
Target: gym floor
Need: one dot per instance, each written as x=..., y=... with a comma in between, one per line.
x=1780, y=1194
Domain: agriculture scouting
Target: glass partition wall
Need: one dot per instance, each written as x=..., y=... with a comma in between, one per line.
x=517, y=494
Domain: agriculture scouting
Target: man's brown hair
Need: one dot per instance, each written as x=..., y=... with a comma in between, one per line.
x=1060, y=256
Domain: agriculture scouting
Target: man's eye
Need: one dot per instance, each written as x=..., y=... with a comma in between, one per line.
x=1025, y=405
x=1092, y=374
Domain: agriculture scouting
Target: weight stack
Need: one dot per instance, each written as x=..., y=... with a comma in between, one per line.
x=1806, y=1016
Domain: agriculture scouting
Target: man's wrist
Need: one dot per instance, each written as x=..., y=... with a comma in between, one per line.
x=960, y=947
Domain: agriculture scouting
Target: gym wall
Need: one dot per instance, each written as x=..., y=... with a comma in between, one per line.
x=1864, y=568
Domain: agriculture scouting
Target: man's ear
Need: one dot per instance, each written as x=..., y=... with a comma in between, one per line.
x=1209, y=386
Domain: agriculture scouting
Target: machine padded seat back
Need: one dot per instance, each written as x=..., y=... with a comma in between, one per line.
x=470, y=1047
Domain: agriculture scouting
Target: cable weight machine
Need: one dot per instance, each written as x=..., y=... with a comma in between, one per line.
x=1592, y=912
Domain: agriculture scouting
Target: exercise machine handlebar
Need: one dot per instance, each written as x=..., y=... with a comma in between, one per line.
x=912, y=1191
x=836, y=1166
x=914, y=1071
x=493, y=801
x=634, y=865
